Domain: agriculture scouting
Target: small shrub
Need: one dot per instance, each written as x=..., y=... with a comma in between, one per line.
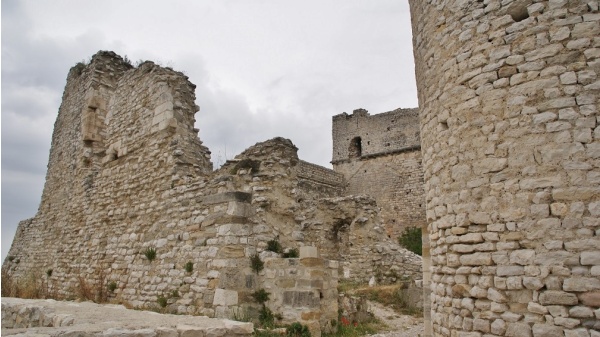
x=127, y=60
x=49, y=272
x=247, y=164
x=79, y=68
x=297, y=330
x=189, y=267
x=112, y=286
x=274, y=246
x=291, y=253
x=84, y=290
x=162, y=301
x=411, y=240
x=266, y=317
x=150, y=253
x=256, y=263
x=11, y=258
x=260, y=296
x=175, y=294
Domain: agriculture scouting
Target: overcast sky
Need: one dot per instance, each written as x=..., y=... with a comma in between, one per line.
x=263, y=68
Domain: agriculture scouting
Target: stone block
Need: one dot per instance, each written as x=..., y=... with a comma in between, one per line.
x=590, y=258
x=579, y=284
x=301, y=299
x=510, y=270
x=522, y=257
x=518, y=330
x=225, y=297
x=309, y=252
x=581, y=332
x=476, y=259
x=554, y=297
x=547, y=330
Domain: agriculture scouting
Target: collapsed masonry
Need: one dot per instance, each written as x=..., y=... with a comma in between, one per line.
x=128, y=173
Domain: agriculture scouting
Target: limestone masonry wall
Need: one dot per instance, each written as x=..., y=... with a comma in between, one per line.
x=128, y=174
x=380, y=156
x=510, y=136
x=317, y=179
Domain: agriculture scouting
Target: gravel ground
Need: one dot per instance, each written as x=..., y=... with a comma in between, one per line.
x=399, y=325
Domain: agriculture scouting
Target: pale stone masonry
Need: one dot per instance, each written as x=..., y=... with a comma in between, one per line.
x=380, y=155
x=510, y=136
x=127, y=174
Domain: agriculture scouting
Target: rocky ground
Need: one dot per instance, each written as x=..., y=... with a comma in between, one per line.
x=45, y=318
x=398, y=325
x=55, y=318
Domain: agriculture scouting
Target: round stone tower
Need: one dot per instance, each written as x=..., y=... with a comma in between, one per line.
x=509, y=97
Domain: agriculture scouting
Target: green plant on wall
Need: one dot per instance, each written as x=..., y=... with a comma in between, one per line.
x=162, y=301
x=274, y=246
x=411, y=240
x=266, y=317
x=256, y=263
x=260, y=296
x=292, y=253
x=112, y=286
x=189, y=267
x=150, y=253
x=297, y=330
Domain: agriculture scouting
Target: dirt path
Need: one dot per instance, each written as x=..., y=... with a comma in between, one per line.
x=399, y=325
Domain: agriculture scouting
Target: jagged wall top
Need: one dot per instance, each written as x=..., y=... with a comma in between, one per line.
x=361, y=135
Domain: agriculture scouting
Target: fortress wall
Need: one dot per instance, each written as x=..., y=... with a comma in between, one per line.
x=135, y=179
x=508, y=96
x=318, y=179
x=396, y=182
x=380, y=133
x=388, y=167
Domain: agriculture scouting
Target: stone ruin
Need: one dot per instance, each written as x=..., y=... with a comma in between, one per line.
x=128, y=176
x=510, y=147
x=380, y=155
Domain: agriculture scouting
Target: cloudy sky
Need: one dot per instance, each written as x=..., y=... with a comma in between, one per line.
x=263, y=68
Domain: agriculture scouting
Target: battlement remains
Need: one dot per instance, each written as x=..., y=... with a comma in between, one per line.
x=361, y=135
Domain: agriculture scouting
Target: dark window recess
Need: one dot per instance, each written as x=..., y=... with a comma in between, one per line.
x=355, y=149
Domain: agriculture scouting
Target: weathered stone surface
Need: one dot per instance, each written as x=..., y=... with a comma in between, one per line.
x=225, y=297
x=581, y=284
x=476, y=259
x=547, y=330
x=553, y=297
x=591, y=299
x=90, y=319
x=518, y=330
x=590, y=258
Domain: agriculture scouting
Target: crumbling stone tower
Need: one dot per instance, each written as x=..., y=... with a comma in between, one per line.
x=380, y=155
x=510, y=135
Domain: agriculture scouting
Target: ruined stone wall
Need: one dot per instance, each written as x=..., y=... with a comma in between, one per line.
x=135, y=178
x=380, y=156
x=321, y=180
x=508, y=97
